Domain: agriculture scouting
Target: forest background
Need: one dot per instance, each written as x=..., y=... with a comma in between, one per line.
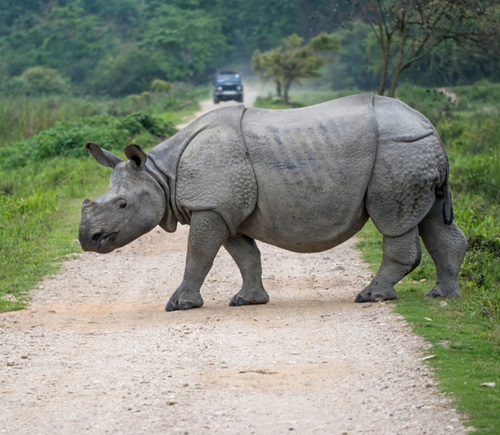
x=118, y=47
x=122, y=71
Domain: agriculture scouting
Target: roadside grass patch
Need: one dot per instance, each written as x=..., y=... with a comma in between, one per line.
x=464, y=338
x=40, y=226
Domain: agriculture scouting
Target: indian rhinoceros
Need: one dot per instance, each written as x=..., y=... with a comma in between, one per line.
x=302, y=179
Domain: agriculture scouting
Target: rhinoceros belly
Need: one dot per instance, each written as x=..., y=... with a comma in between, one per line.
x=312, y=168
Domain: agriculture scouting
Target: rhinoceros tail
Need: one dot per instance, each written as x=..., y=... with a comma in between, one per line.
x=443, y=191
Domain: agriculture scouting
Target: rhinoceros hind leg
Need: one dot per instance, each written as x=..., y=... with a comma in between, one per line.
x=206, y=235
x=446, y=245
x=246, y=255
x=400, y=256
x=370, y=294
x=440, y=291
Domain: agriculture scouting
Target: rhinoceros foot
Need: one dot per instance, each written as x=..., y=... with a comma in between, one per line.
x=443, y=291
x=370, y=294
x=252, y=297
x=181, y=306
x=183, y=300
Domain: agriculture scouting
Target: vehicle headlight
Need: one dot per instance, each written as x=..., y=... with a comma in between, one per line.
x=238, y=88
x=219, y=88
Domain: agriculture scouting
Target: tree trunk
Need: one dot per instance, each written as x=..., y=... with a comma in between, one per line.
x=385, y=47
x=278, y=88
x=399, y=64
x=286, y=88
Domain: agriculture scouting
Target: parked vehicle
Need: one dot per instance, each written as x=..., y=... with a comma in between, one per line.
x=228, y=86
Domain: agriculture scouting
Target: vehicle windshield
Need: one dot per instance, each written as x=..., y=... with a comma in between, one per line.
x=234, y=78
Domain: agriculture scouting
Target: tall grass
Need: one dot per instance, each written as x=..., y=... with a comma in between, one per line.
x=22, y=117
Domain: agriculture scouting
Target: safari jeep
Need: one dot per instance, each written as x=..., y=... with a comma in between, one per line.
x=228, y=86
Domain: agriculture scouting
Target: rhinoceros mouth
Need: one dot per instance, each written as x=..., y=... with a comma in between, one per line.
x=103, y=243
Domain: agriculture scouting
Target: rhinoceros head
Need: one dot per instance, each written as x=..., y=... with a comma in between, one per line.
x=133, y=204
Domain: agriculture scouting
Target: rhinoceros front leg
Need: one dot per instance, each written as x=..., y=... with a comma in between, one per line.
x=246, y=255
x=400, y=256
x=206, y=235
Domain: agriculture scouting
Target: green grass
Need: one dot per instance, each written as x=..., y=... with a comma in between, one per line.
x=465, y=337
x=39, y=225
x=22, y=117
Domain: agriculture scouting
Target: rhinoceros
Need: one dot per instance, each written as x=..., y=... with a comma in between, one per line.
x=302, y=179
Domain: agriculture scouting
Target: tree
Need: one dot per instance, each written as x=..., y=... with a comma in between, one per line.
x=185, y=42
x=408, y=30
x=127, y=73
x=292, y=61
x=39, y=80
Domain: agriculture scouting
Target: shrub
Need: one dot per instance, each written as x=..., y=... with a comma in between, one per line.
x=67, y=139
x=39, y=80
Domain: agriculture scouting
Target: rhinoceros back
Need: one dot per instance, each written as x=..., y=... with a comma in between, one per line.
x=312, y=168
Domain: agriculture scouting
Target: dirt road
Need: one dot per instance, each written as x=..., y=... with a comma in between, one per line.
x=96, y=353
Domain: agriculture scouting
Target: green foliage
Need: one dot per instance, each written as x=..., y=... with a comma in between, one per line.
x=156, y=127
x=22, y=117
x=293, y=60
x=161, y=86
x=436, y=106
x=404, y=31
x=66, y=139
x=38, y=221
x=353, y=66
x=302, y=97
x=39, y=80
x=273, y=103
x=184, y=54
x=117, y=47
x=61, y=37
x=127, y=73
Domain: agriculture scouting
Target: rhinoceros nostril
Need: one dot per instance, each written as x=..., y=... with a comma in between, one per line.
x=96, y=237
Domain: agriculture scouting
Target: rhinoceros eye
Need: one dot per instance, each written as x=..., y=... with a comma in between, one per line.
x=122, y=205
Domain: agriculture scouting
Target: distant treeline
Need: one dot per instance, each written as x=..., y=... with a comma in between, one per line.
x=118, y=47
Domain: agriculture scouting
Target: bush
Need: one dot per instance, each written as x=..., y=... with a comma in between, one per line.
x=39, y=80
x=125, y=74
x=67, y=139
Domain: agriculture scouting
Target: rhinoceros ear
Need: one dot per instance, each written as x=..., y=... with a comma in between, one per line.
x=136, y=155
x=102, y=156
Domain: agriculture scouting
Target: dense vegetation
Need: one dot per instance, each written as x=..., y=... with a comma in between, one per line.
x=118, y=47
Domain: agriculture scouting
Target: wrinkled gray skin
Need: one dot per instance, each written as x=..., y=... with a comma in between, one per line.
x=305, y=180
